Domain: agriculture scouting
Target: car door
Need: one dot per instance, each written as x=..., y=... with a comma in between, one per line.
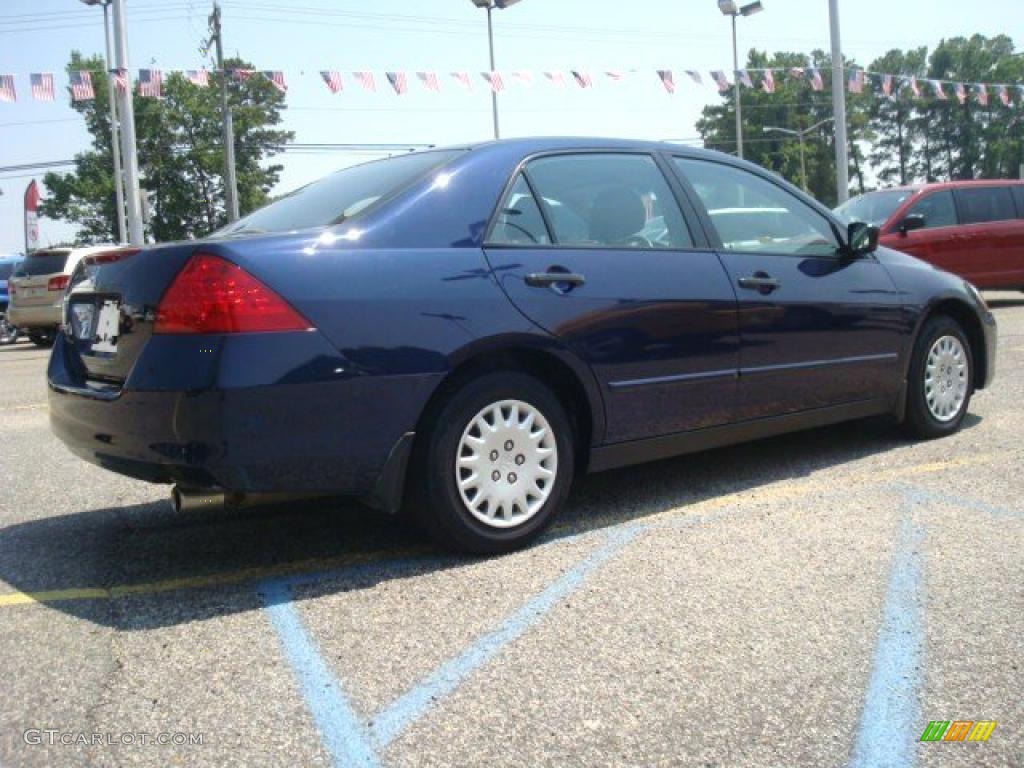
x=992, y=236
x=939, y=241
x=817, y=329
x=594, y=248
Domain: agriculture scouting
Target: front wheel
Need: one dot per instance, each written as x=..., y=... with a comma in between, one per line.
x=495, y=464
x=941, y=379
x=8, y=333
x=42, y=338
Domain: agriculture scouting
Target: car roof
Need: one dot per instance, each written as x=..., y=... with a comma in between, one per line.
x=531, y=144
x=959, y=184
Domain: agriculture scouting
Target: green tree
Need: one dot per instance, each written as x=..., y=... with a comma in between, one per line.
x=795, y=106
x=181, y=155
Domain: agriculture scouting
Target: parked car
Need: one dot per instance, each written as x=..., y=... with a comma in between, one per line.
x=8, y=333
x=37, y=290
x=464, y=330
x=974, y=229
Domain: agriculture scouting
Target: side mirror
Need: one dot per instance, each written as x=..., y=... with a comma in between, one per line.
x=910, y=222
x=861, y=238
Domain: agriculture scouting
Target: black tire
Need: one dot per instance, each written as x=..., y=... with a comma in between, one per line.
x=919, y=421
x=435, y=498
x=42, y=338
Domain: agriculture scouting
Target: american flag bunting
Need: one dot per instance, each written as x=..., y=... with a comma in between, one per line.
x=887, y=85
x=398, y=82
x=277, y=79
x=198, y=77
x=120, y=78
x=768, y=81
x=42, y=86
x=557, y=79
x=940, y=92
x=667, y=80
x=743, y=77
x=332, y=78
x=721, y=80
x=367, y=80
x=522, y=77
x=961, y=93
x=494, y=80
x=462, y=78
x=915, y=88
x=81, y=86
x=981, y=90
x=1004, y=94
x=241, y=75
x=856, y=83
x=582, y=78
x=695, y=76
x=7, y=92
x=430, y=81
x=816, y=82
x=151, y=83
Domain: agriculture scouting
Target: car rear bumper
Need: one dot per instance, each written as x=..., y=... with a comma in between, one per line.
x=44, y=316
x=315, y=429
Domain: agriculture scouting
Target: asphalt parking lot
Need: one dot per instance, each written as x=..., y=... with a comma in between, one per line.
x=812, y=600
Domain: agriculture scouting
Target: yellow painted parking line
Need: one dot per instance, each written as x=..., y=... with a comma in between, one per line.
x=775, y=492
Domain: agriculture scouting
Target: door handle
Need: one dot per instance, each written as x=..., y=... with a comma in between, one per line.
x=759, y=281
x=544, y=279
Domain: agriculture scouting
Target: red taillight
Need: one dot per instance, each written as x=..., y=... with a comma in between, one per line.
x=211, y=295
x=11, y=289
x=58, y=283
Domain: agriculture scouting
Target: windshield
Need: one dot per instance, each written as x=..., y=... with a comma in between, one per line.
x=339, y=196
x=42, y=263
x=874, y=207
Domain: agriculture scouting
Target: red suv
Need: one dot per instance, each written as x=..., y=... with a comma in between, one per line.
x=972, y=228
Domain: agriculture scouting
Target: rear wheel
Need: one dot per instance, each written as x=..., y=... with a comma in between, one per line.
x=495, y=464
x=941, y=379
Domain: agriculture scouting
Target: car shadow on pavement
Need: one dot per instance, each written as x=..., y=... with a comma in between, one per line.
x=219, y=556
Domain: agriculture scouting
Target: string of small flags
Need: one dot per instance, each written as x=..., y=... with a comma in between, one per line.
x=150, y=82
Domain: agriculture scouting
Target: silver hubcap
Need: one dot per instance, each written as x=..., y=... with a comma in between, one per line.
x=945, y=378
x=506, y=463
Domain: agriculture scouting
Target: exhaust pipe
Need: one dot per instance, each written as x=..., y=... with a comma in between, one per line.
x=190, y=500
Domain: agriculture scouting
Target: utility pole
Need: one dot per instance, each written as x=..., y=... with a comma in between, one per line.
x=115, y=134
x=736, y=91
x=801, y=135
x=133, y=204
x=494, y=93
x=839, y=107
x=230, y=181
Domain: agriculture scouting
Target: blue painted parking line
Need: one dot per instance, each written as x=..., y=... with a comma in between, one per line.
x=353, y=742
x=411, y=706
x=919, y=494
x=341, y=732
x=891, y=712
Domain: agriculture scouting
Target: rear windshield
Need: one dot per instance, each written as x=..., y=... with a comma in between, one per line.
x=339, y=196
x=6, y=268
x=42, y=264
x=874, y=207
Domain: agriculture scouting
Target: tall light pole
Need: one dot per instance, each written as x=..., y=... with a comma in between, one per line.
x=115, y=132
x=729, y=8
x=490, y=5
x=230, y=179
x=133, y=203
x=800, y=135
x=839, y=107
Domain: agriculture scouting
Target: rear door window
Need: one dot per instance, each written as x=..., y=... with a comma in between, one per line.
x=1018, y=196
x=980, y=204
x=519, y=221
x=45, y=263
x=608, y=200
x=937, y=209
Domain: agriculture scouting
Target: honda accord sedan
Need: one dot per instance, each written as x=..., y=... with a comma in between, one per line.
x=461, y=332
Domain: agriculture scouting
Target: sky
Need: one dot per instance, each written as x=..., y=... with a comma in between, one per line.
x=301, y=37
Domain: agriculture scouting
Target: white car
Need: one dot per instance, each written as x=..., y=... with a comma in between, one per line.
x=37, y=290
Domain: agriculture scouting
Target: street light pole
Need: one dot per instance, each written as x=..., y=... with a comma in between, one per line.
x=230, y=179
x=801, y=135
x=729, y=8
x=839, y=107
x=490, y=5
x=115, y=132
x=494, y=93
x=133, y=203
x=736, y=91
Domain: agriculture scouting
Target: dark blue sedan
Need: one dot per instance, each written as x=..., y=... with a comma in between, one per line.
x=462, y=331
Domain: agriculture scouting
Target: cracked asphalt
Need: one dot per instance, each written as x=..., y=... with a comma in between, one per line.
x=810, y=600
